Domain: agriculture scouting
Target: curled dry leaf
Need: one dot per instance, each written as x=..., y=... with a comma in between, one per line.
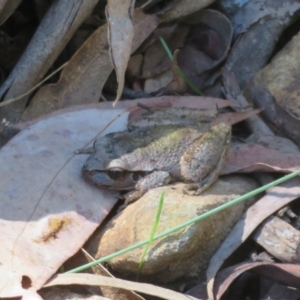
x=276, y=198
x=84, y=77
x=207, y=45
x=121, y=32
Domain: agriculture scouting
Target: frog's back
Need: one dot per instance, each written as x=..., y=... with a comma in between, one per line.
x=157, y=147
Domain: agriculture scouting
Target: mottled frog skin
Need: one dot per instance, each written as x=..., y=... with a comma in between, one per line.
x=152, y=156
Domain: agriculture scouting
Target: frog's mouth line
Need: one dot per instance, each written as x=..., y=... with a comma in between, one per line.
x=105, y=179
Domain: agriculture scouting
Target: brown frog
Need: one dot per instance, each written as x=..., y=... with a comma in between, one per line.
x=151, y=156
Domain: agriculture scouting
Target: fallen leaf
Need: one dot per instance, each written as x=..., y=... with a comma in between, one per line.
x=206, y=46
x=47, y=210
x=120, y=32
x=252, y=157
x=90, y=279
x=83, y=78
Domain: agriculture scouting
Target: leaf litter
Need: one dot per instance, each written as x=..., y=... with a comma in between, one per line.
x=39, y=222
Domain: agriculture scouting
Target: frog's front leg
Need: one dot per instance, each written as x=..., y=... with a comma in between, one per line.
x=154, y=179
x=203, y=161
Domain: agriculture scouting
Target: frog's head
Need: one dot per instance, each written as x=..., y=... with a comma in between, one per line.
x=112, y=175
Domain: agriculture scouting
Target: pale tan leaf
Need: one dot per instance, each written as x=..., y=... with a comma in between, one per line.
x=90, y=279
x=121, y=32
x=47, y=210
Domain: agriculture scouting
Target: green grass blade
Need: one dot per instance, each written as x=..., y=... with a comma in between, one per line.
x=170, y=55
x=154, y=227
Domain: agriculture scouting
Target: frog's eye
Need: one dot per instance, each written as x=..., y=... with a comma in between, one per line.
x=116, y=173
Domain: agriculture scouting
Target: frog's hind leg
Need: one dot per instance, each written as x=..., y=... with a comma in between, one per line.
x=201, y=186
x=203, y=161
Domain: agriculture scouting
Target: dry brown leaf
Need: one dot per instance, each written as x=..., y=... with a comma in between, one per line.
x=45, y=46
x=89, y=279
x=251, y=157
x=81, y=81
x=234, y=117
x=276, y=198
x=120, y=33
x=84, y=77
x=186, y=101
